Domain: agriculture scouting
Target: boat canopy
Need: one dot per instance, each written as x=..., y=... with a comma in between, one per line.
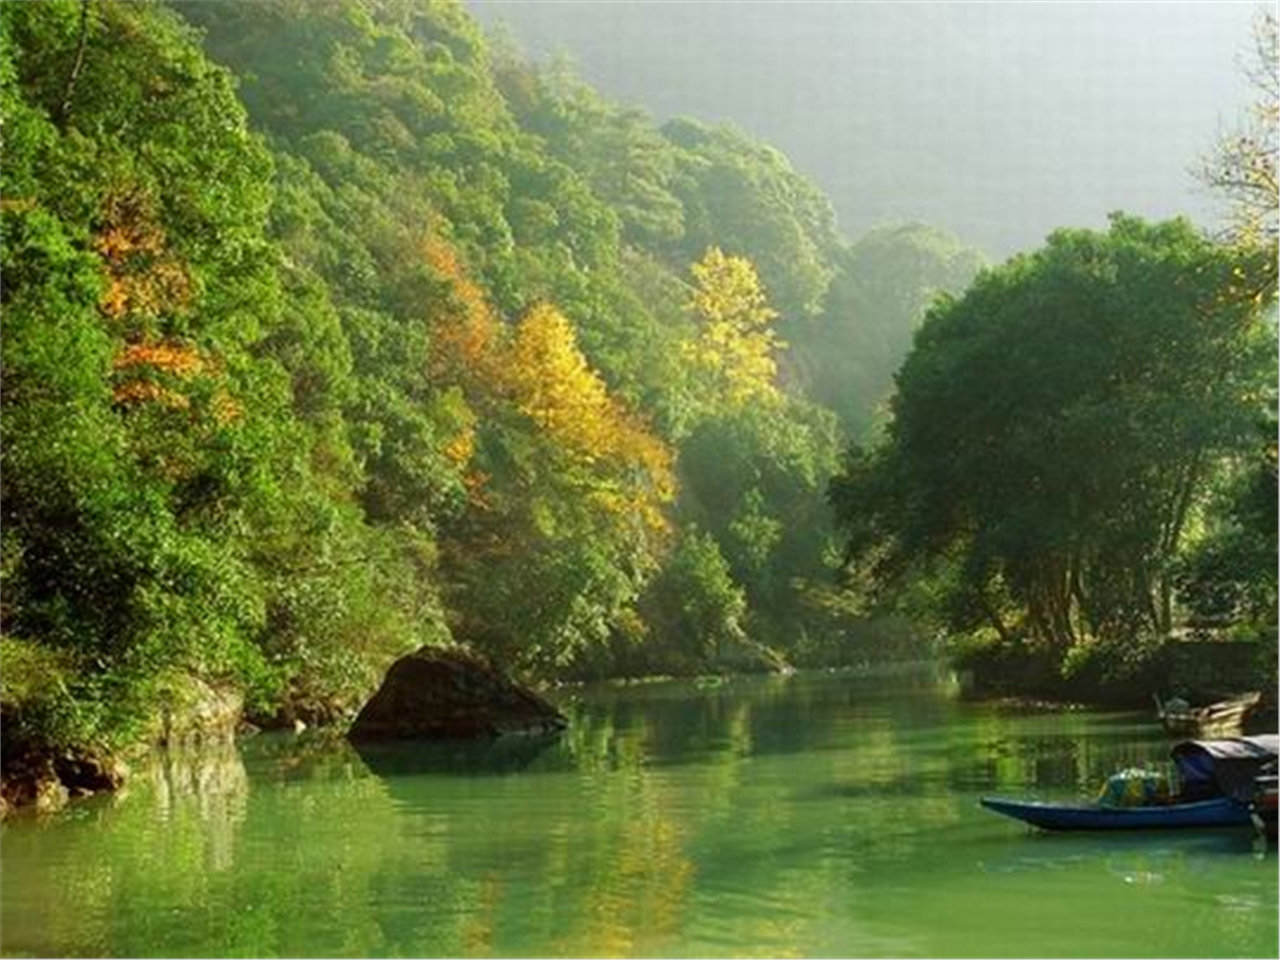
x=1225, y=766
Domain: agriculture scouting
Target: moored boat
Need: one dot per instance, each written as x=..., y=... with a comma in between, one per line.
x=1216, y=778
x=1214, y=812
x=1222, y=719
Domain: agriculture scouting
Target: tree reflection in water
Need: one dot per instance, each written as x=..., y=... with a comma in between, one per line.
x=817, y=814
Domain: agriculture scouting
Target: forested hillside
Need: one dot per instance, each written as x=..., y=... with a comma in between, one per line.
x=334, y=329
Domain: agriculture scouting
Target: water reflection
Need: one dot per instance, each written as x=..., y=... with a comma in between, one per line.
x=811, y=815
x=401, y=758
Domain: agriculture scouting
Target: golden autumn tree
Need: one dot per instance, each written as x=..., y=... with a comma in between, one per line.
x=551, y=383
x=733, y=353
x=569, y=519
x=554, y=386
x=538, y=372
x=465, y=338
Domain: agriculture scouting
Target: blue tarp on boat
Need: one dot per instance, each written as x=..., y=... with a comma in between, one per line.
x=1223, y=767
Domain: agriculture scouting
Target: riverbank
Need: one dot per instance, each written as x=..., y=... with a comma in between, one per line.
x=434, y=693
x=46, y=774
x=1120, y=676
x=1017, y=678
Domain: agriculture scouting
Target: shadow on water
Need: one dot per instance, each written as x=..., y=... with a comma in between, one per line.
x=497, y=757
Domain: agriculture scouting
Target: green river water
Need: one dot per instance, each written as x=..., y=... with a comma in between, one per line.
x=829, y=814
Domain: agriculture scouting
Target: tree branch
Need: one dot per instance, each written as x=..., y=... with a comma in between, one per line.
x=69, y=89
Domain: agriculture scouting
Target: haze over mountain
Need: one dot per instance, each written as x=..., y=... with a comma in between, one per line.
x=999, y=122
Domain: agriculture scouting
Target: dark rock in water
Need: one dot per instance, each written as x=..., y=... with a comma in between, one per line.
x=435, y=694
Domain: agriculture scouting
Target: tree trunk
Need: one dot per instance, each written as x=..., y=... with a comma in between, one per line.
x=996, y=620
x=77, y=64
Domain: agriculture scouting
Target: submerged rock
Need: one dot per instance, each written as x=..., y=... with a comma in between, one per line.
x=448, y=694
x=36, y=774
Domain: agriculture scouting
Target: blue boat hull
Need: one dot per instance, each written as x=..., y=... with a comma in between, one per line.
x=1216, y=812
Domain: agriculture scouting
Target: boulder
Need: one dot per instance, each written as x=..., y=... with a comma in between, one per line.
x=193, y=712
x=449, y=694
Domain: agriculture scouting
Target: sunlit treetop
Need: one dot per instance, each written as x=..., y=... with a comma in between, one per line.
x=735, y=346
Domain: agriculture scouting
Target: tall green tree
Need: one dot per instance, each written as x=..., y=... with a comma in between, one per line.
x=1055, y=431
x=143, y=435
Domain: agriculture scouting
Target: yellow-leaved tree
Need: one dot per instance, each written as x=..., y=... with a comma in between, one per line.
x=540, y=372
x=569, y=518
x=731, y=358
x=552, y=383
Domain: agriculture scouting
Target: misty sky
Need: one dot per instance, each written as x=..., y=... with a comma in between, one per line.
x=997, y=121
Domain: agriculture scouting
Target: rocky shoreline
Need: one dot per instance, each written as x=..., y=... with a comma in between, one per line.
x=35, y=776
x=47, y=782
x=432, y=694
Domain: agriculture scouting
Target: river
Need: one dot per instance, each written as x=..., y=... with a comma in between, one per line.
x=822, y=814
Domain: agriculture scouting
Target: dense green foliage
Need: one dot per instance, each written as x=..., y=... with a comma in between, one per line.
x=1058, y=435
x=142, y=435
x=309, y=360
x=312, y=359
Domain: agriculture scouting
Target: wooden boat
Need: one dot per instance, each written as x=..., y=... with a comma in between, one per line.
x=1217, y=780
x=1221, y=719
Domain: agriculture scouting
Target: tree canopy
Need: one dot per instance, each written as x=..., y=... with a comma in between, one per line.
x=1055, y=431
x=1242, y=166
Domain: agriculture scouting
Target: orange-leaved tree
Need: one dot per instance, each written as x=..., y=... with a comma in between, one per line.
x=144, y=279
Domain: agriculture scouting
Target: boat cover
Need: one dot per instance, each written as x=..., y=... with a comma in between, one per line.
x=1263, y=746
x=1227, y=766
